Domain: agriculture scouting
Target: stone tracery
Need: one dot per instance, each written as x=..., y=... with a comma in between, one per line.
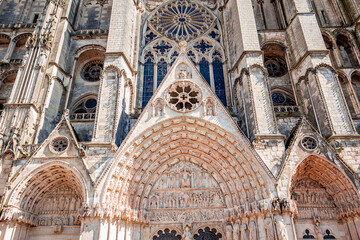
x=182, y=20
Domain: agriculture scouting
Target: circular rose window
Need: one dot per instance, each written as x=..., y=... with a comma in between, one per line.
x=309, y=143
x=59, y=144
x=91, y=71
x=183, y=96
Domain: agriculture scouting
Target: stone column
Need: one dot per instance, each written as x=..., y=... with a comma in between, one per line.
x=352, y=228
x=229, y=233
x=89, y=228
x=357, y=224
x=10, y=50
x=236, y=230
x=261, y=227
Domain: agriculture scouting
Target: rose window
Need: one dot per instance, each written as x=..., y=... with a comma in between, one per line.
x=276, y=67
x=309, y=143
x=182, y=20
x=183, y=96
x=59, y=144
x=92, y=71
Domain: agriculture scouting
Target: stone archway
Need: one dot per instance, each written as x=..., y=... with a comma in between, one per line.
x=46, y=203
x=326, y=200
x=185, y=171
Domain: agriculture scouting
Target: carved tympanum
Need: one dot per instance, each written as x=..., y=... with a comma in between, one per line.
x=186, y=192
x=313, y=200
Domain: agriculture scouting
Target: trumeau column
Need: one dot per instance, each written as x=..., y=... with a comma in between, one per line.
x=312, y=62
x=118, y=68
x=246, y=65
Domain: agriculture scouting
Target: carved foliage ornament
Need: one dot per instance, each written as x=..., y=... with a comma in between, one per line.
x=183, y=96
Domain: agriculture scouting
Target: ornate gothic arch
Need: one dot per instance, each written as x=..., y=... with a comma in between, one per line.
x=228, y=161
x=337, y=184
x=27, y=201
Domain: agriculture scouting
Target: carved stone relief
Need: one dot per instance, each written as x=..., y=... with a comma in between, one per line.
x=60, y=207
x=313, y=200
x=186, y=192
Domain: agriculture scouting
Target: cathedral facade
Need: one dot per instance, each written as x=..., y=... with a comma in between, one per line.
x=179, y=119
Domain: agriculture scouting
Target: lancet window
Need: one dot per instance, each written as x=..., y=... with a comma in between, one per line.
x=189, y=24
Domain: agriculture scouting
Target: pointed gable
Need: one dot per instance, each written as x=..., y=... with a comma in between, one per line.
x=61, y=143
x=184, y=91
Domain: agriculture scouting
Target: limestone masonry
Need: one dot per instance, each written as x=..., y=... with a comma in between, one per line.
x=179, y=119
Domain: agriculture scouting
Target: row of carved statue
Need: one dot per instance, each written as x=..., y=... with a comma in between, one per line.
x=188, y=199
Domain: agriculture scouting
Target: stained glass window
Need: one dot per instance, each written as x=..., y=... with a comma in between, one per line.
x=204, y=69
x=207, y=234
x=219, y=80
x=308, y=235
x=161, y=71
x=148, y=83
x=182, y=20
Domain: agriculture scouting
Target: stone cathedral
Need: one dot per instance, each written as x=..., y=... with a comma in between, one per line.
x=179, y=119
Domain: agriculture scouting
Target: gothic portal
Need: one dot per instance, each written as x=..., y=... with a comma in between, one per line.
x=179, y=119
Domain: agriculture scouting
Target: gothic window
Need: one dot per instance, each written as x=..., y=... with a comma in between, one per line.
x=161, y=71
x=92, y=70
x=182, y=20
x=169, y=27
x=84, y=109
x=276, y=67
x=183, y=96
x=207, y=234
x=59, y=144
x=309, y=143
x=355, y=82
x=148, y=82
x=308, y=235
x=4, y=43
x=328, y=235
x=346, y=51
x=329, y=46
x=219, y=80
x=166, y=234
x=204, y=69
x=347, y=89
x=173, y=57
x=280, y=99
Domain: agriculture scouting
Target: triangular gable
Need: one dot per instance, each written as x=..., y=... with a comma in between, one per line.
x=64, y=131
x=46, y=150
x=209, y=107
x=159, y=110
x=297, y=151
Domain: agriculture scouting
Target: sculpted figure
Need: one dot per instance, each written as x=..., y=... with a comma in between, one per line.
x=229, y=235
x=236, y=231
x=252, y=231
x=281, y=230
x=243, y=234
x=187, y=234
x=269, y=229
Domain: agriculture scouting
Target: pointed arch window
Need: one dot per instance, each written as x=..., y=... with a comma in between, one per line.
x=219, y=80
x=205, y=70
x=161, y=71
x=148, y=82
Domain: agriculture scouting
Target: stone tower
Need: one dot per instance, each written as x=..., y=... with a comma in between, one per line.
x=179, y=119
